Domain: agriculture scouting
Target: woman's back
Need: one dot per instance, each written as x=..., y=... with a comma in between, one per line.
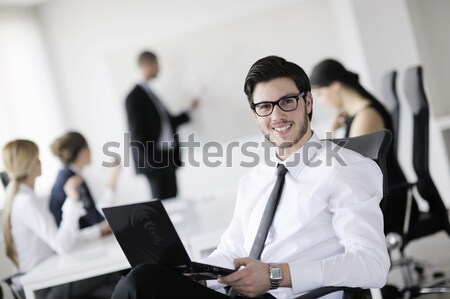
x=30, y=248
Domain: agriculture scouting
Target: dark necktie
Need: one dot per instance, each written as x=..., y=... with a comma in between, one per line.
x=267, y=218
x=269, y=213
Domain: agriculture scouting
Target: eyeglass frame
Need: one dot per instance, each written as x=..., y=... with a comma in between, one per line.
x=277, y=103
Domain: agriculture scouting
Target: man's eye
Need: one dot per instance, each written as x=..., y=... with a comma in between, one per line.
x=288, y=101
x=264, y=107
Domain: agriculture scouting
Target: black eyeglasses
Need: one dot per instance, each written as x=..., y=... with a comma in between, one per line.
x=286, y=104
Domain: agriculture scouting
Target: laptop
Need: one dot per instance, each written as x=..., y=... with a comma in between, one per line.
x=147, y=235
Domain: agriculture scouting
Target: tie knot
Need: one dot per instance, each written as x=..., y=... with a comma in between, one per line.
x=281, y=170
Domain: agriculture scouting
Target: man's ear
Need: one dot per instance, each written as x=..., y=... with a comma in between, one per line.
x=309, y=102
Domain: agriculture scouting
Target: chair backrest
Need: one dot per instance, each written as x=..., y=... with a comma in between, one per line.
x=4, y=178
x=417, y=99
x=374, y=146
x=389, y=86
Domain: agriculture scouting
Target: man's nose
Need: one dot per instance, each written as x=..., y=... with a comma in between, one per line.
x=277, y=113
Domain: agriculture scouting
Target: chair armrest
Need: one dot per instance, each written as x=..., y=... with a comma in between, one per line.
x=316, y=293
x=403, y=185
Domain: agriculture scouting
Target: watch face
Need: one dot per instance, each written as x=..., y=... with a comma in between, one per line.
x=275, y=273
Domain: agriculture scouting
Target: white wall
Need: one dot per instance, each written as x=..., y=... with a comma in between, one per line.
x=206, y=48
x=94, y=51
x=28, y=103
x=431, y=27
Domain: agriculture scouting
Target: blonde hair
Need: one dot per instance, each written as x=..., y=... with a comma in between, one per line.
x=19, y=157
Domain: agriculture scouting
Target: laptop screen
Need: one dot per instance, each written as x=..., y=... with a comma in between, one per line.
x=146, y=234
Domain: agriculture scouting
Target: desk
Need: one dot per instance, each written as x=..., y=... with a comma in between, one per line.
x=88, y=259
x=199, y=224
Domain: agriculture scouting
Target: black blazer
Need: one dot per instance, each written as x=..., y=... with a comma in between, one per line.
x=58, y=196
x=144, y=123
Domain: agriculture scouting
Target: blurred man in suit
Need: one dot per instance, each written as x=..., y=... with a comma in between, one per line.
x=154, y=141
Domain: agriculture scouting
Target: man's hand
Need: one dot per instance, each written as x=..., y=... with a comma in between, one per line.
x=71, y=187
x=194, y=104
x=338, y=121
x=105, y=229
x=251, y=281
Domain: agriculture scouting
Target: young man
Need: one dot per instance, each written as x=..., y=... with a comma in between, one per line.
x=327, y=229
x=153, y=129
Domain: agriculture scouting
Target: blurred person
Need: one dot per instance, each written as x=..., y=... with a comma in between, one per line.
x=30, y=232
x=73, y=151
x=359, y=112
x=153, y=129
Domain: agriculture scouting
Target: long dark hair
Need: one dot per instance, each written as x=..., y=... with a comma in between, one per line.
x=330, y=70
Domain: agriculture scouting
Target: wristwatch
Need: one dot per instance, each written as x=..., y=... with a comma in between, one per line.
x=275, y=276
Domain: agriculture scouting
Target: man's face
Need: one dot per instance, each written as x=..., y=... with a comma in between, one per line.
x=149, y=69
x=286, y=130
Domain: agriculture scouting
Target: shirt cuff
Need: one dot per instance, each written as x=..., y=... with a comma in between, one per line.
x=72, y=210
x=306, y=276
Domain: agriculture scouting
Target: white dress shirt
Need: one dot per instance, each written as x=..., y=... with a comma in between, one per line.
x=328, y=225
x=34, y=230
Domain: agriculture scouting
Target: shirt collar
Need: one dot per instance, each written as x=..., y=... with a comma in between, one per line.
x=25, y=188
x=298, y=160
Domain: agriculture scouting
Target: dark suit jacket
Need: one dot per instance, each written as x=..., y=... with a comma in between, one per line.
x=144, y=123
x=58, y=196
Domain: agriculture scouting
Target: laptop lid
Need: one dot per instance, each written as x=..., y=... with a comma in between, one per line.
x=146, y=234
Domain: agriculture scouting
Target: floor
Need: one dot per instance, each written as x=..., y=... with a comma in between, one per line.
x=434, y=253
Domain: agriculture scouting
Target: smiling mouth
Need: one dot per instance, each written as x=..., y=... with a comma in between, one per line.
x=282, y=130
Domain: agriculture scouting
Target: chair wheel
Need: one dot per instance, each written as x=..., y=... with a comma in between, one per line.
x=419, y=269
x=438, y=274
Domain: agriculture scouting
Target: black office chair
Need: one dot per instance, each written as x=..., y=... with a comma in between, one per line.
x=436, y=219
x=4, y=178
x=374, y=146
x=389, y=86
x=5, y=291
x=8, y=290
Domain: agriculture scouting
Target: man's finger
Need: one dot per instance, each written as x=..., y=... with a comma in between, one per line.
x=232, y=278
x=242, y=262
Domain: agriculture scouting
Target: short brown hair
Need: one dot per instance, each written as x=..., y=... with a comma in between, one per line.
x=272, y=67
x=67, y=147
x=147, y=56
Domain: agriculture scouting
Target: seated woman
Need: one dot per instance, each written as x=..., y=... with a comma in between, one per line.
x=73, y=151
x=30, y=232
x=361, y=113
